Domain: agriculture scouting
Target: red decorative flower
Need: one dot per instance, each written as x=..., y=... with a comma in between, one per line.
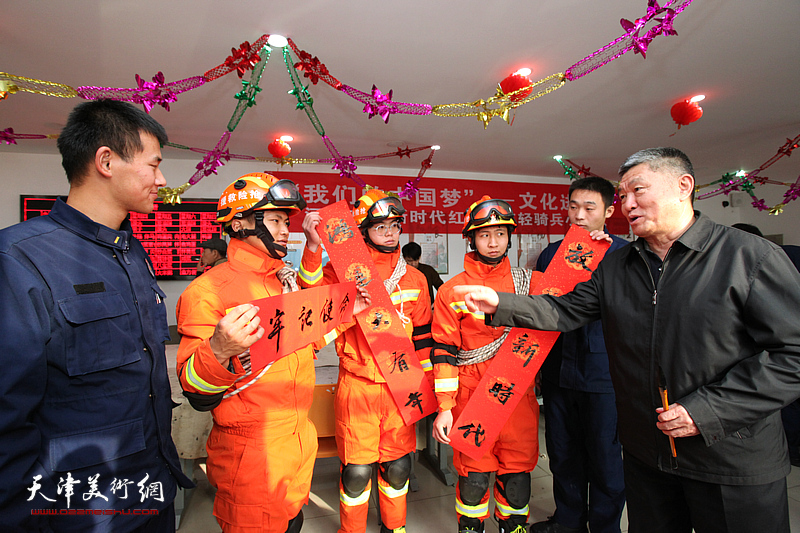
x=243, y=59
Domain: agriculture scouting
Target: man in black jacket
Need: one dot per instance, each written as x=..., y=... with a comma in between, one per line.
x=707, y=316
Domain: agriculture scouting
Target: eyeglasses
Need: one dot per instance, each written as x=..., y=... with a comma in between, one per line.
x=383, y=229
x=484, y=211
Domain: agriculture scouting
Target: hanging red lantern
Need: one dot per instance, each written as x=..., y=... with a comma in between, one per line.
x=279, y=148
x=686, y=112
x=515, y=82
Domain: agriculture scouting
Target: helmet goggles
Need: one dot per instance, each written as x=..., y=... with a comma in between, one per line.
x=283, y=193
x=383, y=208
x=483, y=212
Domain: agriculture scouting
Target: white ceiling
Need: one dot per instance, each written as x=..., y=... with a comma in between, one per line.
x=742, y=54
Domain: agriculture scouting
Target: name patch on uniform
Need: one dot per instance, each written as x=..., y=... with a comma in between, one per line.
x=90, y=288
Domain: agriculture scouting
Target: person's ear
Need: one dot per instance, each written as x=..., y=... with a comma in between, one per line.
x=102, y=161
x=686, y=186
x=609, y=211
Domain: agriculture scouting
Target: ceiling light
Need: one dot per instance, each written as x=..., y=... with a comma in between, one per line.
x=277, y=41
x=698, y=98
x=436, y=147
x=524, y=72
x=557, y=157
x=286, y=138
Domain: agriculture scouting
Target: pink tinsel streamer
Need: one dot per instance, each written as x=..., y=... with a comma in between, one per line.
x=631, y=39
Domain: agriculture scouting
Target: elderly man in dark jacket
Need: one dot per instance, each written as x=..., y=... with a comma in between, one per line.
x=708, y=314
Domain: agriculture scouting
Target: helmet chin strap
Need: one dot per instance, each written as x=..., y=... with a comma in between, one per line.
x=276, y=251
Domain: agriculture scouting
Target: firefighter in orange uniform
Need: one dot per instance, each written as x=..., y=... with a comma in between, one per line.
x=369, y=427
x=462, y=352
x=262, y=447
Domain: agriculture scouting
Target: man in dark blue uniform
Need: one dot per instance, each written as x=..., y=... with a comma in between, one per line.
x=85, y=404
x=580, y=415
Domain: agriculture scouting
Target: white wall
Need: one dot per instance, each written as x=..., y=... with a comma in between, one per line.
x=22, y=173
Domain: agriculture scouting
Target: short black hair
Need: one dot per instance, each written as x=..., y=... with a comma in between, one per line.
x=595, y=184
x=656, y=158
x=413, y=251
x=97, y=123
x=749, y=228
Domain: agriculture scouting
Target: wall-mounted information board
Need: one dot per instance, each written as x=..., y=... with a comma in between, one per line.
x=170, y=234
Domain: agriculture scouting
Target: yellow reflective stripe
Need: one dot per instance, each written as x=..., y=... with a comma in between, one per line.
x=198, y=383
x=391, y=492
x=472, y=511
x=361, y=499
x=427, y=366
x=461, y=307
x=310, y=277
x=409, y=295
x=445, y=384
x=330, y=336
x=505, y=510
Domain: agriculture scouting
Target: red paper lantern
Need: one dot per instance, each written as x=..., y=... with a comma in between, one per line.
x=515, y=82
x=686, y=112
x=279, y=149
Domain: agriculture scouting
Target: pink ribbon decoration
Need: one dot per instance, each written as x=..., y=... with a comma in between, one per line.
x=212, y=160
x=381, y=104
x=793, y=193
x=148, y=93
x=157, y=92
x=664, y=26
x=345, y=165
x=631, y=40
x=9, y=137
x=410, y=189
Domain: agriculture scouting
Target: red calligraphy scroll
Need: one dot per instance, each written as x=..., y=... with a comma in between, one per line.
x=521, y=355
x=381, y=325
x=297, y=319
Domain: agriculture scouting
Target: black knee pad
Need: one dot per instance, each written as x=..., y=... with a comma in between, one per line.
x=473, y=487
x=355, y=479
x=295, y=524
x=396, y=472
x=516, y=487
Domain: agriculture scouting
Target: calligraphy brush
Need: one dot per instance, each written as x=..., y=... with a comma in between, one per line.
x=662, y=389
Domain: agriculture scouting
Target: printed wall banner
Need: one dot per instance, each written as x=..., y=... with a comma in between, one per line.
x=297, y=319
x=394, y=352
x=440, y=204
x=521, y=355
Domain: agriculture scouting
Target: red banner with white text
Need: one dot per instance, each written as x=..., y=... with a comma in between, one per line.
x=439, y=206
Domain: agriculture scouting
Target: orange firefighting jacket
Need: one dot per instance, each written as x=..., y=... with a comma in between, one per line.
x=280, y=399
x=410, y=297
x=455, y=327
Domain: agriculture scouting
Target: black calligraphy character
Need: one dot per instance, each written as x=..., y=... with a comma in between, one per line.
x=277, y=326
x=305, y=318
x=519, y=346
x=344, y=304
x=478, y=431
x=414, y=400
x=376, y=322
x=579, y=256
x=341, y=229
x=503, y=394
x=399, y=362
x=325, y=312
